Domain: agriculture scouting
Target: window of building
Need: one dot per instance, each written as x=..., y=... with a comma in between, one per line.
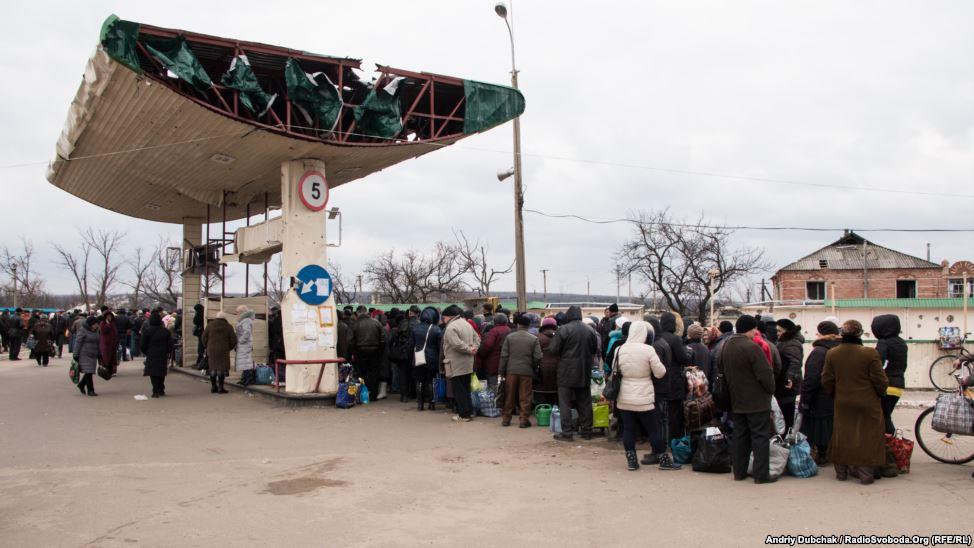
x=906, y=289
x=815, y=291
x=955, y=287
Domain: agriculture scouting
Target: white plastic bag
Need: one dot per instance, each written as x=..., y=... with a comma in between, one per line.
x=779, y=417
x=778, y=459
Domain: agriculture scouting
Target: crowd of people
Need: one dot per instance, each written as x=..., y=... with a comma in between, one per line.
x=102, y=338
x=844, y=393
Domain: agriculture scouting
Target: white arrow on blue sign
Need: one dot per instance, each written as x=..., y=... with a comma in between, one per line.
x=314, y=285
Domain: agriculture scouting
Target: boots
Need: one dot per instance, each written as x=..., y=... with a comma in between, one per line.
x=220, y=382
x=650, y=459
x=864, y=473
x=633, y=464
x=382, y=391
x=666, y=462
x=841, y=472
x=213, y=388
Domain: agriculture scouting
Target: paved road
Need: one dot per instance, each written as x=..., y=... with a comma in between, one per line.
x=195, y=469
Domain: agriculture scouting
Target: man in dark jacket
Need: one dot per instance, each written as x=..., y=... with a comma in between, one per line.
x=607, y=324
x=788, y=378
x=4, y=326
x=198, y=321
x=368, y=347
x=520, y=358
x=892, y=354
x=751, y=384
x=490, y=350
x=59, y=326
x=15, y=334
x=575, y=345
x=124, y=325
x=817, y=405
x=676, y=386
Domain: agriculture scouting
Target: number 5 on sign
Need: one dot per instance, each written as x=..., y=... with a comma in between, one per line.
x=313, y=190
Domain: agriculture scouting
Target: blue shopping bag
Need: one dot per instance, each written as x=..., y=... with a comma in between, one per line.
x=439, y=392
x=344, y=400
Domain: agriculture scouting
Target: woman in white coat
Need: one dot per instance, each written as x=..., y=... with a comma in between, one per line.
x=244, y=359
x=638, y=363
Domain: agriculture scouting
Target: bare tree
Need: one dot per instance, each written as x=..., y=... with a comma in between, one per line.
x=139, y=265
x=344, y=288
x=276, y=288
x=162, y=282
x=23, y=283
x=104, y=243
x=473, y=260
x=77, y=265
x=417, y=278
x=678, y=258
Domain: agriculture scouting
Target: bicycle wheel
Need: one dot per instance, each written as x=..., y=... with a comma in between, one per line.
x=942, y=373
x=948, y=448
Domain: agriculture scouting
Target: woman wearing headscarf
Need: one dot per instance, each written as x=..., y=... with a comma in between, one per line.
x=219, y=339
x=637, y=362
x=892, y=353
x=109, y=342
x=156, y=344
x=244, y=358
x=817, y=405
x=87, y=346
x=854, y=376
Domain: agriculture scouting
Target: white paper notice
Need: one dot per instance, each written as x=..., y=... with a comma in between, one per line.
x=306, y=347
x=310, y=332
x=325, y=316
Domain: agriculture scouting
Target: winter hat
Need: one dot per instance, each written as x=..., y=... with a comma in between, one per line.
x=767, y=318
x=786, y=324
x=613, y=307
x=501, y=319
x=91, y=321
x=827, y=328
x=588, y=321
x=221, y=315
x=695, y=331
x=725, y=327
x=524, y=321
x=852, y=328
x=549, y=322
x=833, y=319
x=746, y=323
x=452, y=311
x=621, y=321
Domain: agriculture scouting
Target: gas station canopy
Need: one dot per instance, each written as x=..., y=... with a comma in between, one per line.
x=168, y=122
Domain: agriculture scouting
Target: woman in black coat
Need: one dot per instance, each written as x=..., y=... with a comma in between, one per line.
x=156, y=345
x=817, y=405
x=892, y=354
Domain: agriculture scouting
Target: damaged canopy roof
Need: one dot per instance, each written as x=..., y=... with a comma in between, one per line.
x=167, y=122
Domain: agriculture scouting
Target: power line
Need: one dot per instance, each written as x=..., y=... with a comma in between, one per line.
x=534, y=155
x=743, y=227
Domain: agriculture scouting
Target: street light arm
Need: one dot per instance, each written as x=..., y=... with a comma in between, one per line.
x=510, y=33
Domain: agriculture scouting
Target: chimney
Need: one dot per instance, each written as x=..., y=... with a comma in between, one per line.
x=928, y=252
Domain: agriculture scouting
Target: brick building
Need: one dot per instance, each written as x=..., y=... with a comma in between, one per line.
x=855, y=268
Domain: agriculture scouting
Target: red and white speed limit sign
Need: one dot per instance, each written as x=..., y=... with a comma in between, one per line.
x=313, y=190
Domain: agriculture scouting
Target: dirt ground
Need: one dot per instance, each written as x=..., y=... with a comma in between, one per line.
x=195, y=469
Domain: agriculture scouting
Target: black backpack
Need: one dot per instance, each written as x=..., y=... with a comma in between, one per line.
x=400, y=349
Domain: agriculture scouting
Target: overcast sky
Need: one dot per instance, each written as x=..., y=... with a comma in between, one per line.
x=855, y=94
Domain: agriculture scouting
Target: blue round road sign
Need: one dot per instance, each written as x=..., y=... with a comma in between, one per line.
x=313, y=285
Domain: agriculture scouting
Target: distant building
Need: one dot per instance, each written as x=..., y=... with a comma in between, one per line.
x=855, y=268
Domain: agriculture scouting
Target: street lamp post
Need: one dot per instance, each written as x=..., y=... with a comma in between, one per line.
x=14, y=268
x=522, y=301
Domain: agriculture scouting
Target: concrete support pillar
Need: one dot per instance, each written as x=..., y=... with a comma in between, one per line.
x=192, y=236
x=310, y=332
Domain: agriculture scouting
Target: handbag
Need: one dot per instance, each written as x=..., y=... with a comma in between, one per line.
x=31, y=343
x=902, y=450
x=75, y=372
x=713, y=454
x=953, y=414
x=420, y=355
x=614, y=385
x=800, y=461
x=698, y=412
x=104, y=372
x=778, y=458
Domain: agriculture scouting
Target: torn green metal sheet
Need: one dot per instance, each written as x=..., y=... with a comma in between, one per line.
x=176, y=55
x=119, y=37
x=242, y=78
x=489, y=105
x=316, y=97
x=379, y=115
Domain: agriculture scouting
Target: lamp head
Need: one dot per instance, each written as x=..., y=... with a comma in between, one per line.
x=500, y=9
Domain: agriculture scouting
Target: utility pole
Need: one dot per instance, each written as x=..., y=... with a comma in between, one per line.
x=630, y=287
x=618, y=283
x=544, y=273
x=14, y=268
x=359, y=278
x=588, y=289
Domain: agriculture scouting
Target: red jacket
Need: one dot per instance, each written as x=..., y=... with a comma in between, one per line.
x=490, y=349
x=765, y=348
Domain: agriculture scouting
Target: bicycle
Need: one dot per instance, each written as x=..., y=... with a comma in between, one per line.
x=943, y=369
x=946, y=448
